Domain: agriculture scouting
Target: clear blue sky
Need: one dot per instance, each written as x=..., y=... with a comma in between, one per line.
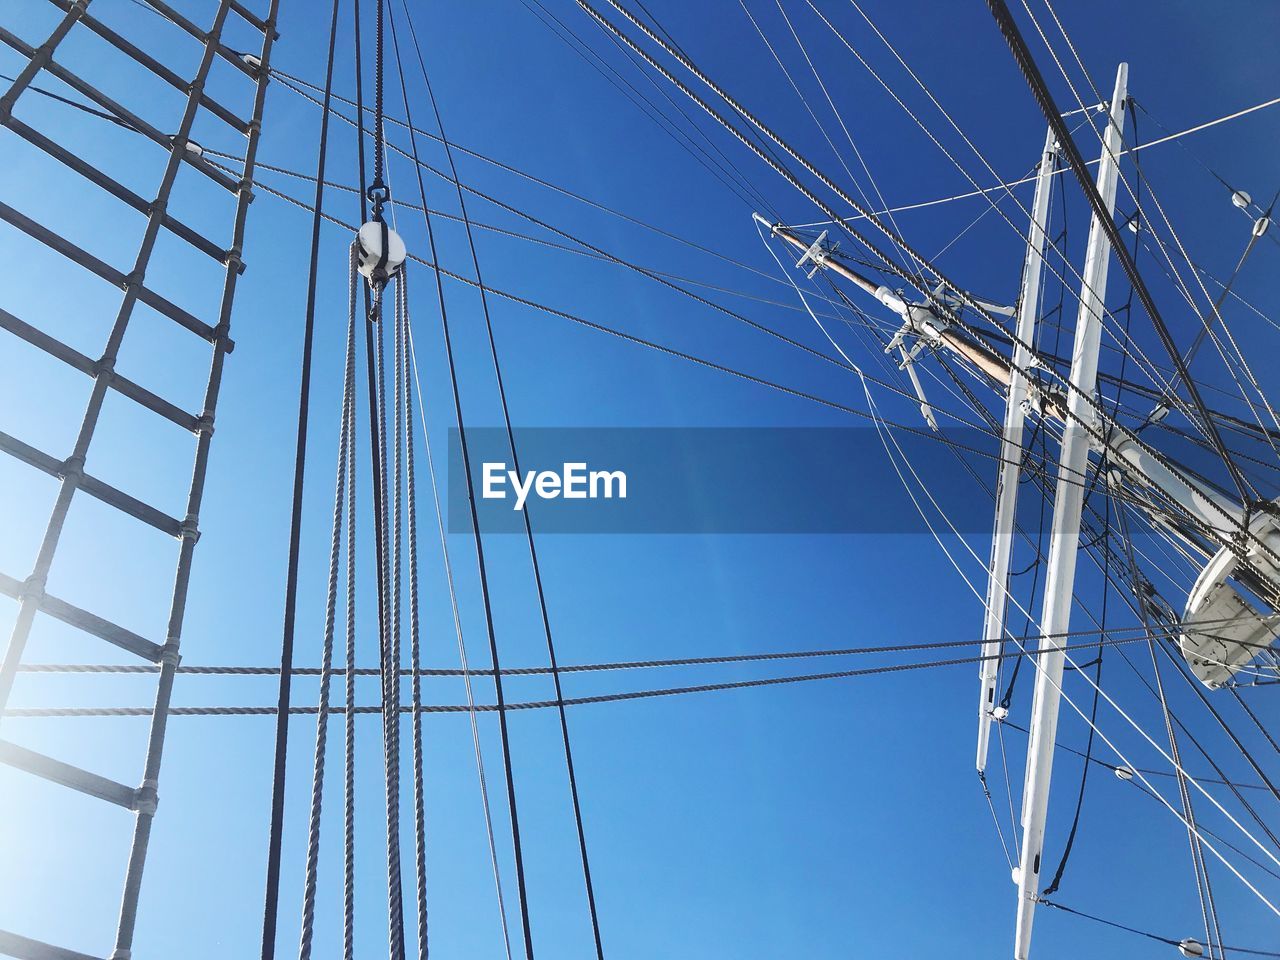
x=818, y=820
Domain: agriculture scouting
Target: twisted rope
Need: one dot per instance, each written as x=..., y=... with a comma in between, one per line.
x=389, y=655
x=326, y=655
x=415, y=645
x=349, y=728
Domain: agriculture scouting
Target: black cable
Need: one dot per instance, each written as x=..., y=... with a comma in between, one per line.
x=1200, y=748
x=1256, y=722
x=939, y=305
x=528, y=527
x=1052, y=888
x=505, y=707
x=251, y=671
x=1036, y=564
x=1110, y=923
x=588, y=55
x=83, y=107
x=486, y=599
x=1058, y=244
x=1040, y=91
x=348, y=928
x=1231, y=734
x=1105, y=539
x=271, y=899
x=1145, y=771
x=1149, y=935
x=359, y=127
x=631, y=338
x=1204, y=884
x=376, y=193
x=378, y=115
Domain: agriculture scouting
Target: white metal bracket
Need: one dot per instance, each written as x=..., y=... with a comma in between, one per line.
x=908, y=364
x=817, y=254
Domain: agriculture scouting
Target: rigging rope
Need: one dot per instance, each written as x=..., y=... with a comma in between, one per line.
x=1040, y=91
x=816, y=201
x=1146, y=933
x=349, y=668
x=391, y=531
x=478, y=540
x=215, y=670
x=462, y=657
x=349, y=748
x=271, y=898
x=1056, y=880
x=415, y=645
x=998, y=187
x=528, y=528
x=346, y=449
x=933, y=300
x=505, y=707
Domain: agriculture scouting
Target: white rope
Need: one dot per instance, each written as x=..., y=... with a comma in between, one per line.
x=1025, y=180
x=462, y=650
x=1084, y=716
x=454, y=610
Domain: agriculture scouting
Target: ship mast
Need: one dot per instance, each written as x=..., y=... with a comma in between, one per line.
x=1064, y=539
x=1249, y=540
x=1015, y=412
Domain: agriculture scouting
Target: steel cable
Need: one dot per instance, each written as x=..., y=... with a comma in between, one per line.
x=528, y=528
x=477, y=538
x=345, y=450
x=271, y=898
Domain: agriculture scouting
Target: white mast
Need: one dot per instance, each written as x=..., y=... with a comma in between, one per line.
x=1064, y=540
x=1011, y=448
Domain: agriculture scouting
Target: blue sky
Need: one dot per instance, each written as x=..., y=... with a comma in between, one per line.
x=823, y=820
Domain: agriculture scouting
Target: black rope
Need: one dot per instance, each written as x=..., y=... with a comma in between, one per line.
x=1248, y=756
x=528, y=527
x=1256, y=722
x=1208, y=758
x=271, y=899
x=1036, y=564
x=939, y=305
x=377, y=194
x=1204, y=885
x=1110, y=923
x=1148, y=934
x=1207, y=529
x=464, y=448
x=1145, y=771
x=1040, y=91
x=1037, y=431
x=82, y=107
x=504, y=707
x=252, y=671
x=376, y=457
x=378, y=115
x=1052, y=888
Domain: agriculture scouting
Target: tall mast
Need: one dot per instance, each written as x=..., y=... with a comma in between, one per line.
x=997, y=599
x=1248, y=540
x=1064, y=541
